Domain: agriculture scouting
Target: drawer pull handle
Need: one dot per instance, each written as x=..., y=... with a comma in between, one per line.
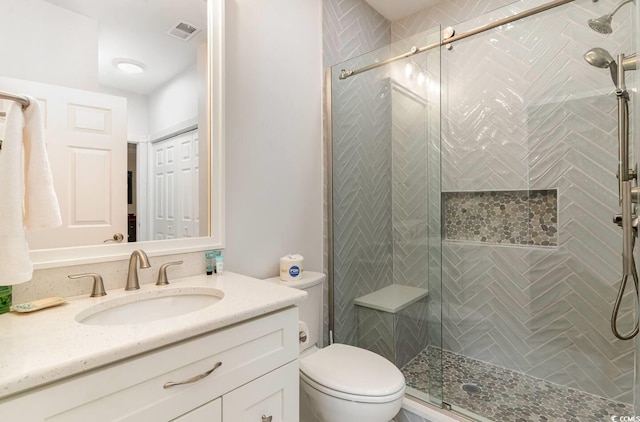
x=193, y=379
x=266, y=418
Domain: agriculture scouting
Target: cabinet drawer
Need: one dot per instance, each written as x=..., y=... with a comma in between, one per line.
x=272, y=397
x=210, y=412
x=133, y=389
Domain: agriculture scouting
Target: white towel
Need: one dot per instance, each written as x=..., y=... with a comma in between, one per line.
x=27, y=197
x=41, y=209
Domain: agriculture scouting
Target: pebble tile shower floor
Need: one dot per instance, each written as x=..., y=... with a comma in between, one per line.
x=502, y=395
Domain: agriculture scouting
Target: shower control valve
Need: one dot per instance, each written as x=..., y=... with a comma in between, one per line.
x=633, y=175
x=635, y=195
x=635, y=221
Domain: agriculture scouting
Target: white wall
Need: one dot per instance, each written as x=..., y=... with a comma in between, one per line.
x=273, y=134
x=137, y=113
x=46, y=43
x=137, y=116
x=174, y=102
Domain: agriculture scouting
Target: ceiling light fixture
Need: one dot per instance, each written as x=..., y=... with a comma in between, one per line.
x=129, y=66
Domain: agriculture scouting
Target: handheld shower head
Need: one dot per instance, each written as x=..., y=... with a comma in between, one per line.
x=602, y=24
x=599, y=57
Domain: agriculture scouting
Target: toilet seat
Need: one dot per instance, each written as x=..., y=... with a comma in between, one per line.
x=353, y=374
x=351, y=397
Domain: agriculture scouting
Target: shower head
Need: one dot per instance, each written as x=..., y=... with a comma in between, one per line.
x=603, y=23
x=599, y=57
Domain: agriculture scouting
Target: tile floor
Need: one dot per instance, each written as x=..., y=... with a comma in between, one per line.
x=502, y=395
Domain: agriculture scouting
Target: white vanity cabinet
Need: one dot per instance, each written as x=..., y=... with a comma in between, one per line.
x=252, y=366
x=210, y=412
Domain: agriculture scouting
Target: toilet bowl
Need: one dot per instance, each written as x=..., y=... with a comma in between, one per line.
x=345, y=383
x=341, y=383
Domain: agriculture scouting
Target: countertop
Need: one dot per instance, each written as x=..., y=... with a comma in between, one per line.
x=44, y=346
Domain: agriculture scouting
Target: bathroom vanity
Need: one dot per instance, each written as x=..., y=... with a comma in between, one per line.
x=236, y=359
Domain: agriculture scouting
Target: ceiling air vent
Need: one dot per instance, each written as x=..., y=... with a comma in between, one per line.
x=183, y=30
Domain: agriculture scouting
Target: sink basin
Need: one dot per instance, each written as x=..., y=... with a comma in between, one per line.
x=152, y=305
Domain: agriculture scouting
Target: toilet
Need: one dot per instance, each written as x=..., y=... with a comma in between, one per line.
x=341, y=383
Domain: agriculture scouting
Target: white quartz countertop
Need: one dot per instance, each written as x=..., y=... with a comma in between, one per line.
x=44, y=346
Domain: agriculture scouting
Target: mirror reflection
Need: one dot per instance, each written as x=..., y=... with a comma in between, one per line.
x=123, y=87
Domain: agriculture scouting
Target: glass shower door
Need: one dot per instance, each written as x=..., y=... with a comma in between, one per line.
x=531, y=257
x=386, y=217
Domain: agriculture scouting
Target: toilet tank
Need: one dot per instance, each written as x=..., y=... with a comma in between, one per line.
x=310, y=309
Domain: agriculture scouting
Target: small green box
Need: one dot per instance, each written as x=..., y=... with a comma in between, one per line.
x=5, y=299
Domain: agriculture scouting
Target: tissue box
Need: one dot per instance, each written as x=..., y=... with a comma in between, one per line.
x=5, y=299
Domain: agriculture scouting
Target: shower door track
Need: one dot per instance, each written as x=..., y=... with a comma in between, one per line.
x=533, y=11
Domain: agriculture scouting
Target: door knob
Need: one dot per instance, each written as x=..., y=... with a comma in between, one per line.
x=117, y=238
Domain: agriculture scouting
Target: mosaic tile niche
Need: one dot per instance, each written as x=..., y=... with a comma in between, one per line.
x=517, y=217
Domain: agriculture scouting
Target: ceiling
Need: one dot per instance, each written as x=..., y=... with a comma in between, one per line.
x=398, y=9
x=137, y=29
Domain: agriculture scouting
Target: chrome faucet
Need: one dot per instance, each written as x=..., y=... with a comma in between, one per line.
x=132, y=275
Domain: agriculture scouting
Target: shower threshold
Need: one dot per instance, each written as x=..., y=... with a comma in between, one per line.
x=487, y=392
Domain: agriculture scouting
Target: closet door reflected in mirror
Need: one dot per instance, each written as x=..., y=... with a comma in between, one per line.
x=118, y=81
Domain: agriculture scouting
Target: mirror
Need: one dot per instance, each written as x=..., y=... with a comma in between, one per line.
x=131, y=96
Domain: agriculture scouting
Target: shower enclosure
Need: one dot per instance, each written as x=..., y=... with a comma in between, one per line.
x=472, y=196
x=386, y=205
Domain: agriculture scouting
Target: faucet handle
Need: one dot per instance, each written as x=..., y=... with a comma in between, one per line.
x=162, y=274
x=98, y=284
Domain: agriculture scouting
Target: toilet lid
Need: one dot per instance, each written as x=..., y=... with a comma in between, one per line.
x=352, y=370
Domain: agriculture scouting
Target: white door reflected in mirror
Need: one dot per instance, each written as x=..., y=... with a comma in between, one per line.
x=93, y=110
x=86, y=141
x=175, y=187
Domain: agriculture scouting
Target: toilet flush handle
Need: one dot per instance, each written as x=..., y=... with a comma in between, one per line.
x=266, y=418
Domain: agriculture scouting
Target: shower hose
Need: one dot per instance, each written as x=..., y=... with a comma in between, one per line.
x=616, y=306
x=623, y=102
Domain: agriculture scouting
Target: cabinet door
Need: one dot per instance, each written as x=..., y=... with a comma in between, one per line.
x=210, y=412
x=274, y=395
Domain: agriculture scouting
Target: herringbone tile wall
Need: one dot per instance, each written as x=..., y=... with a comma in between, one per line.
x=361, y=195
x=380, y=200
x=399, y=337
x=444, y=13
x=350, y=28
x=410, y=183
x=521, y=109
x=416, y=201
